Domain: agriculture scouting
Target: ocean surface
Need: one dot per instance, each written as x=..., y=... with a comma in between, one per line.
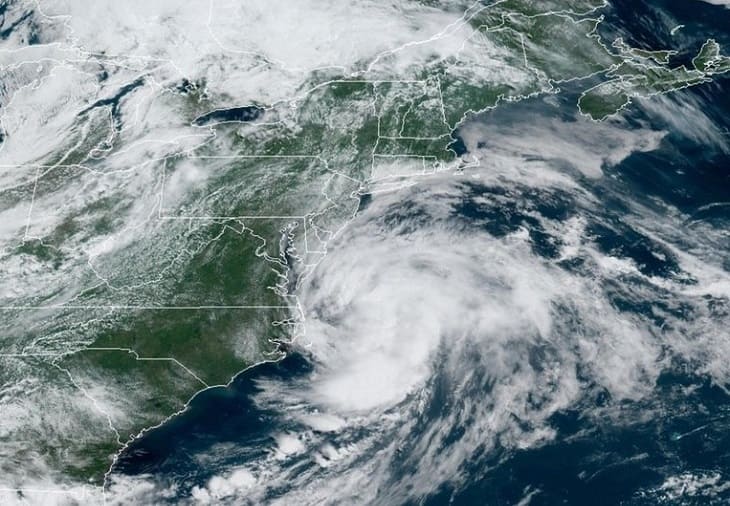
x=678, y=431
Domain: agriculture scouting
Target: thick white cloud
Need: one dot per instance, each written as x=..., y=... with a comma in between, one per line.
x=392, y=308
x=586, y=146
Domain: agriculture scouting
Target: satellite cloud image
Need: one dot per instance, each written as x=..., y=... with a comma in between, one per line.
x=365, y=252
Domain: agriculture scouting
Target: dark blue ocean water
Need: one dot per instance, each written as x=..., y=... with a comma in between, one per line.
x=219, y=415
x=588, y=462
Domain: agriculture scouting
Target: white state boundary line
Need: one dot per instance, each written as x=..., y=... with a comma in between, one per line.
x=234, y=217
x=163, y=213
x=469, y=14
x=132, y=307
x=149, y=359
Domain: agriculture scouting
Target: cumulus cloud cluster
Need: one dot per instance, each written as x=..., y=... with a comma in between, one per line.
x=432, y=337
x=434, y=341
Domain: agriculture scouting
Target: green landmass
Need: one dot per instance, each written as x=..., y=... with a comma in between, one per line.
x=210, y=291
